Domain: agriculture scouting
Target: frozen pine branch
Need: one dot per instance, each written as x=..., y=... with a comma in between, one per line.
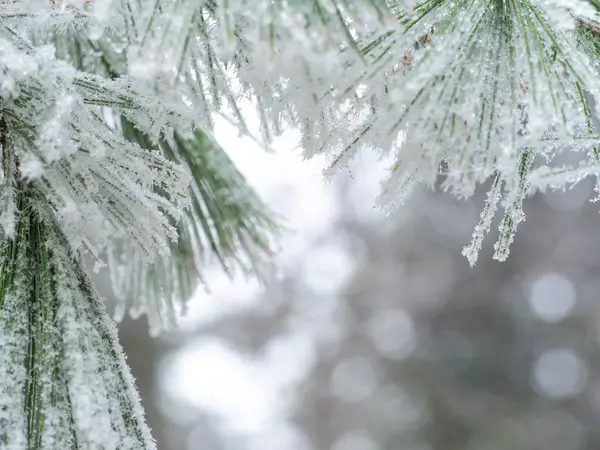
x=106, y=116
x=64, y=381
x=462, y=90
x=97, y=163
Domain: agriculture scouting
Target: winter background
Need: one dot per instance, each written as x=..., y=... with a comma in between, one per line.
x=375, y=333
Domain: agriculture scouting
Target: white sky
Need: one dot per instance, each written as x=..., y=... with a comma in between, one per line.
x=249, y=395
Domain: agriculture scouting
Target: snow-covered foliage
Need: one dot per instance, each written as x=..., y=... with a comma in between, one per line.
x=64, y=382
x=470, y=90
x=106, y=114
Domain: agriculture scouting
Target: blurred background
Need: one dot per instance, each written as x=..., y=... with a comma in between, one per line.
x=375, y=333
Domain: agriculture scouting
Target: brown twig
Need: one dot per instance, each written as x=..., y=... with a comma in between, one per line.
x=592, y=28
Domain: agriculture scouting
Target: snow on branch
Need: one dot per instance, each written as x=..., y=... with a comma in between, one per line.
x=106, y=146
x=457, y=89
x=472, y=84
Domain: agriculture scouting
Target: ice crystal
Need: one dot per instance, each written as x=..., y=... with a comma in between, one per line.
x=64, y=381
x=474, y=87
x=106, y=114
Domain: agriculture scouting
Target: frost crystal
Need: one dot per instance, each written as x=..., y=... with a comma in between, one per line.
x=106, y=113
x=64, y=382
x=478, y=89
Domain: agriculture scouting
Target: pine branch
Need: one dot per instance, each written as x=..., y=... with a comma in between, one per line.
x=63, y=378
x=472, y=84
x=105, y=128
x=226, y=221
